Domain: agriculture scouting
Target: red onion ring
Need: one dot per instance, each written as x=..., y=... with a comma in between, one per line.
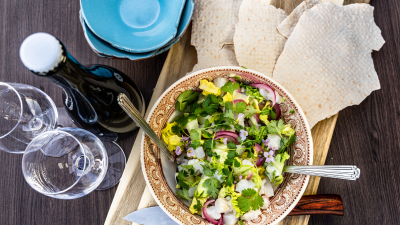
x=267, y=88
x=232, y=79
x=257, y=118
x=248, y=76
x=232, y=139
x=257, y=147
x=260, y=161
x=204, y=209
x=238, y=100
x=249, y=176
x=230, y=133
x=221, y=221
x=277, y=111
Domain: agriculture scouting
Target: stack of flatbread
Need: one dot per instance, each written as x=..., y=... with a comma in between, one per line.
x=321, y=52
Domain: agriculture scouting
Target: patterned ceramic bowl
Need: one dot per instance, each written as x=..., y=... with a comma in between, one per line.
x=288, y=193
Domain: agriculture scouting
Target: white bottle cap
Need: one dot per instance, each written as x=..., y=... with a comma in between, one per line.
x=40, y=52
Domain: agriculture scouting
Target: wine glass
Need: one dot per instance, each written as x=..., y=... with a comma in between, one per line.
x=25, y=113
x=65, y=163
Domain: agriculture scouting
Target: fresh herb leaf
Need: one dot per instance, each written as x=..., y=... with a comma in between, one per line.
x=250, y=200
x=231, y=145
x=240, y=222
x=195, y=144
x=228, y=173
x=183, y=193
x=207, y=171
x=286, y=142
x=209, y=144
x=275, y=127
x=249, y=111
x=236, y=163
x=206, y=123
x=243, y=67
x=291, y=111
x=240, y=107
x=228, y=105
x=238, y=127
x=212, y=186
x=198, y=206
x=186, y=98
x=230, y=87
x=229, y=114
x=194, y=135
x=210, y=104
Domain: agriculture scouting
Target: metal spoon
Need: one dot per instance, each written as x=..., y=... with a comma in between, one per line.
x=340, y=172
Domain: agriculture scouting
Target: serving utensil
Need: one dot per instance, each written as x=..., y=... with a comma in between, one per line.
x=346, y=172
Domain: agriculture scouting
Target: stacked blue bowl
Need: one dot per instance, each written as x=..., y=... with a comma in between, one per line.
x=134, y=29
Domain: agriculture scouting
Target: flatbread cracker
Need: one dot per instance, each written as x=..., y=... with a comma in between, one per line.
x=288, y=24
x=257, y=42
x=212, y=32
x=326, y=63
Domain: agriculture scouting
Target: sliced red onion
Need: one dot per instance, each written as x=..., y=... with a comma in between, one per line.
x=248, y=76
x=260, y=161
x=230, y=138
x=232, y=79
x=250, y=175
x=238, y=100
x=257, y=118
x=221, y=221
x=197, y=90
x=206, y=214
x=277, y=110
x=258, y=147
x=267, y=88
x=230, y=133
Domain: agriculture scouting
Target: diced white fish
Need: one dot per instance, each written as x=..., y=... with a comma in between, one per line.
x=220, y=81
x=274, y=140
x=200, y=152
x=196, y=165
x=238, y=95
x=266, y=188
x=218, y=176
x=184, y=163
x=251, y=215
x=191, y=191
x=244, y=184
x=247, y=162
x=222, y=206
x=230, y=218
x=266, y=202
x=212, y=212
x=269, y=97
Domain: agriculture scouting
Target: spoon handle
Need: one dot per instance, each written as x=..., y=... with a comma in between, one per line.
x=340, y=172
x=133, y=113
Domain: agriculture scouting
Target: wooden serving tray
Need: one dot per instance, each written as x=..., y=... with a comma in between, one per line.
x=132, y=193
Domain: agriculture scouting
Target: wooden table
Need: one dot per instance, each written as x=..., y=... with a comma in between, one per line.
x=367, y=135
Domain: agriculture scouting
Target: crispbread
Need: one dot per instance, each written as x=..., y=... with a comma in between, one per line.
x=326, y=63
x=212, y=32
x=257, y=41
x=288, y=24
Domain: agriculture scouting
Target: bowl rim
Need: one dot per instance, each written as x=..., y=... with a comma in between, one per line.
x=233, y=69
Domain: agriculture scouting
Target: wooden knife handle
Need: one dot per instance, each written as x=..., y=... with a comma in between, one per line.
x=318, y=205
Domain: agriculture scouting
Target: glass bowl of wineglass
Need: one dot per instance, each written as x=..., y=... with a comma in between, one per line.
x=65, y=163
x=25, y=113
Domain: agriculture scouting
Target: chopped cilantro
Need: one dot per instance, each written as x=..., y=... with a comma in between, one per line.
x=230, y=87
x=250, y=200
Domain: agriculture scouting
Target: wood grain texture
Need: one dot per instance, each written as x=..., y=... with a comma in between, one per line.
x=366, y=135
x=318, y=205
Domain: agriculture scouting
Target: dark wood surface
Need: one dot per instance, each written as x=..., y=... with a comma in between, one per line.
x=319, y=205
x=367, y=135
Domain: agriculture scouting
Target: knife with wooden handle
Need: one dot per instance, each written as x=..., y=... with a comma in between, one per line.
x=308, y=205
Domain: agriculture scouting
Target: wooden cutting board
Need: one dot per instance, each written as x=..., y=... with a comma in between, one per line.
x=132, y=193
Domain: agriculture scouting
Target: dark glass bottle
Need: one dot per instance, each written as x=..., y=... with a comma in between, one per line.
x=90, y=94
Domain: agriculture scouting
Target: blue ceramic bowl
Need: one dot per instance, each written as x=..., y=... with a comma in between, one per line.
x=134, y=25
x=104, y=49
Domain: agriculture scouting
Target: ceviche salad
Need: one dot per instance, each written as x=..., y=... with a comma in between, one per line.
x=231, y=146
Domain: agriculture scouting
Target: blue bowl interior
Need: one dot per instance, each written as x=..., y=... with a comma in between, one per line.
x=134, y=25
